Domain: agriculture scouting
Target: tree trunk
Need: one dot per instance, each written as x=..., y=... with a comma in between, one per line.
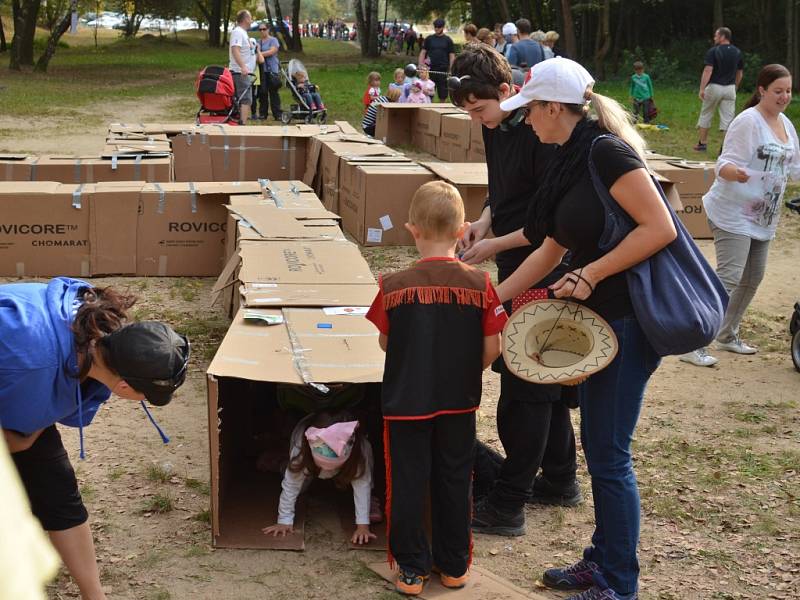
x=504, y=10
x=373, y=50
x=3, y=45
x=297, y=43
x=282, y=26
x=24, y=14
x=213, y=15
x=228, y=10
x=718, y=19
x=617, y=47
x=537, y=12
x=55, y=35
x=790, y=35
x=569, y=29
x=603, y=41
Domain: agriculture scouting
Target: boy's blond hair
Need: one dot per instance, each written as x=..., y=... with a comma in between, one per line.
x=399, y=71
x=371, y=76
x=437, y=210
x=393, y=94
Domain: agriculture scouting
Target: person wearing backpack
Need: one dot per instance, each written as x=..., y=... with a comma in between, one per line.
x=597, y=157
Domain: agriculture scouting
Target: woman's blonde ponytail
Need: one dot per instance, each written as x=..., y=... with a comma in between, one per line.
x=612, y=117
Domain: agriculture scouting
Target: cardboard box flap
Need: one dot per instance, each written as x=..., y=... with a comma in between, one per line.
x=670, y=191
x=346, y=128
x=393, y=169
x=460, y=173
x=309, y=346
x=292, y=186
x=261, y=295
x=37, y=187
x=270, y=222
x=301, y=206
x=295, y=262
x=123, y=148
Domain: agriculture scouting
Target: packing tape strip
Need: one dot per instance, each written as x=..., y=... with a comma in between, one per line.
x=188, y=135
x=77, y=170
x=137, y=168
x=33, y=168
x=193, y=196
x=162, y=265
x=162, y=198
x=298, y=360
x=114, y=161
x=85, y=272
x=20, y=269
x=241, y=162
x=76, y=197
x=285, y=153
x=8, y=171
x=264, y=185
x=89, y=173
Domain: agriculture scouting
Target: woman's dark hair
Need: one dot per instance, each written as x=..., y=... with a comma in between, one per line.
x=104, y=310
x=766, y=76
x=353, y=467
x=487, y=70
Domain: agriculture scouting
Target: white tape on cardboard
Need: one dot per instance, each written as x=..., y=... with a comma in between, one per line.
x=386, y=222
x=374, y=235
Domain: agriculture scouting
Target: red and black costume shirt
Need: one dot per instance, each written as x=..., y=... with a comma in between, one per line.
x=435, y=315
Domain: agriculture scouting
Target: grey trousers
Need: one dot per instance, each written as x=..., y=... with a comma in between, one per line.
x=741, y=262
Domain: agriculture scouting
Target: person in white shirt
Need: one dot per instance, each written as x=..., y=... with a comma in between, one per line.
x=242, y=62
x=329, y=446
x=760, y=154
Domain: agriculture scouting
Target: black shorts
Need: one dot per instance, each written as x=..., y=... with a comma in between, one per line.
x=50, y=482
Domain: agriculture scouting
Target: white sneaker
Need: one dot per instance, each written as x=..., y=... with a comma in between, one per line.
x=736, y=345
x=699, y=358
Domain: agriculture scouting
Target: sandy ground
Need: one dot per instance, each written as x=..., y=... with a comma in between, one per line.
x=716, y=456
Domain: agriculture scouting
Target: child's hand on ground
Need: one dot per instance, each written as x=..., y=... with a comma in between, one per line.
x=278, y=530
x=362, y=535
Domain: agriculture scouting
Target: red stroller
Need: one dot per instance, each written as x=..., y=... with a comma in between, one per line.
x=217, y=94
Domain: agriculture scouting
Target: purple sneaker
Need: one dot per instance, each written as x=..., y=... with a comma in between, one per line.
x=575, y=577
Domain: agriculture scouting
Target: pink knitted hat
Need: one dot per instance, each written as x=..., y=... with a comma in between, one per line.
x=331, y=446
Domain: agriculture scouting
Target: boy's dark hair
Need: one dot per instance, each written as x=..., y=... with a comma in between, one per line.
x=638, y=65
x=725, y=32
x=523, y=25
x=487, y=70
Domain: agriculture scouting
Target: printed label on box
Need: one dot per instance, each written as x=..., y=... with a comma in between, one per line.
x=374, y=235
x=386, y=222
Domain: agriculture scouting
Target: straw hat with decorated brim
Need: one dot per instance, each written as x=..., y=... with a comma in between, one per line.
x=555, y=341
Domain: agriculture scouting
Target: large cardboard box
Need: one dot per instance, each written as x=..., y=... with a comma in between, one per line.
x=692, y=180
x=470, y=179
x=314, y=152
x=243, y=380
x=375, y=208
x=425, y=142
x=44, y=229
x=457, y=129
x=332, y=155
x=123, y=167
x=450, y=152
x=181, y=227
x=477, y=151
x=113, y=222
x=394, y=123
x=16, y=167
x=302, y=206
x=148, y=146
x=429, y=118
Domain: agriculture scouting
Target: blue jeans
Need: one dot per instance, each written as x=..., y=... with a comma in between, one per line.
x=610, y=402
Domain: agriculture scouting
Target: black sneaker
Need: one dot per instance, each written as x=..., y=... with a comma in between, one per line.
x=551, y=494
x=491, y=520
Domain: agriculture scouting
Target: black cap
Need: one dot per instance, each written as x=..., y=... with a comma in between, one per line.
x=438, y=23
x=150, y=357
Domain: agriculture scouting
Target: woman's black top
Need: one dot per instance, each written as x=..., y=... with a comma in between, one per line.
x=579, y=221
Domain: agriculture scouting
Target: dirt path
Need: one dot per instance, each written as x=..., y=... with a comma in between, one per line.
x=716, y=456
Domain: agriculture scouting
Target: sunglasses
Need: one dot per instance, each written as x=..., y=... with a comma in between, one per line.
x=262, y=28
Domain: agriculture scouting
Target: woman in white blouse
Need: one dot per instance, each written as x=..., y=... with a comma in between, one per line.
x=760, y=153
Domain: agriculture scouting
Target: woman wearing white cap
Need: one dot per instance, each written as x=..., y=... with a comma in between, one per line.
x=568, y=212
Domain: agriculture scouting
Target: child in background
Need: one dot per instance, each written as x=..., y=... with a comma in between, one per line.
x=329, y=446
x=371, y=115
x=641, y=92
x=308, y=90
x=373, y=89
x=416, y=95
x=439, y=322
x=399, y=80
x=428, y=85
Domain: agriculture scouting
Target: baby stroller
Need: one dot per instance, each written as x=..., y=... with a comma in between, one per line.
x=217, y=94
x=300, y=111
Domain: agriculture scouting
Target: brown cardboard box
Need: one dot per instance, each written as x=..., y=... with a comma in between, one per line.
x=425, y=142
x=45, y=229
x=348, y=165
x=376, y=208
x=16, y=167
x=313, y=155
x=181, y=227
x=149, y=129
x=692, y=180
x=394, y=123
x=113, y=222
x=241, y=383
x=305, y=206
x=470, y=179
x=116, y=147
x=477, y=152
x=429, y=118
x=450, y=152
x=270, y=223
x=456, y=129
x=69, y=169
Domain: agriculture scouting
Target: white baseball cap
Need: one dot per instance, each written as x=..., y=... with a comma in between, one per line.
x=509, y=29
x=555, y=80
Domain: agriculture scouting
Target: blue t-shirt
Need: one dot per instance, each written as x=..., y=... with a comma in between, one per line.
x=271, y=64
x=525, y=53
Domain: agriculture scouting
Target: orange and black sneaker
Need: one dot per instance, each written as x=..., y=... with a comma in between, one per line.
x=409, y=584
x=454, y=583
